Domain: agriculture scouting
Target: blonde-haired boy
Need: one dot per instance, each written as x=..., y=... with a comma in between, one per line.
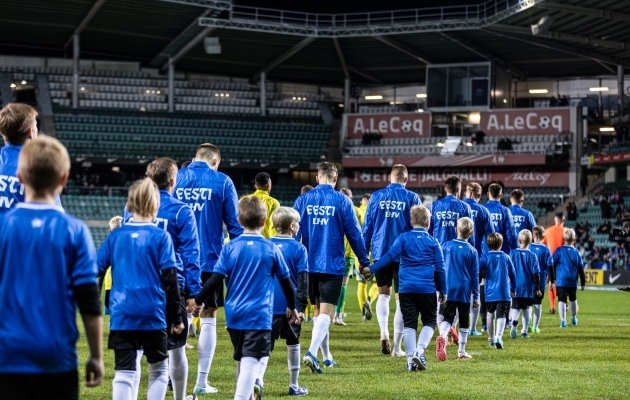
x=50, y=253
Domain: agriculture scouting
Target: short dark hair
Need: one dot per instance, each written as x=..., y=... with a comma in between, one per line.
x=185, y=164
x=366, y=196
x=451, y=183
x=15, y=121
x=251, y=212
x=494, y=241
x=518, y=195
x=262, y=179
x=495, y=190
x=346, y=191
x=560, y=215
x=305, y=189
x=161, y=171
x=327, y=168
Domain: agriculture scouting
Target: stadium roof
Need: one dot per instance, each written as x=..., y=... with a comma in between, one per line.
x=587, y=37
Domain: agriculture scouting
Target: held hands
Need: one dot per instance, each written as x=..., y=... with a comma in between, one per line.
x=177, y=329
x=365, y=271
x=442, y=299
x=294, y=316
x=512, y=294
x=582, y=287
x=193, y=308
x=94, y=370
x=538, y=293
x=475, y=303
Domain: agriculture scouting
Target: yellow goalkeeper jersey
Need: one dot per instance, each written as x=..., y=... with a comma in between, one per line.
x=272, y=205
x=349, y=252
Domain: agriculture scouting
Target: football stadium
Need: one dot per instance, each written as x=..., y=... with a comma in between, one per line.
x=238, y=199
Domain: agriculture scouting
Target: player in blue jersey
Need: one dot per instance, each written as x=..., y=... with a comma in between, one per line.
x=386, y=218
x=497, y=269
x=18, y=125
x=145, y=298
x=462, y=281
x=178, y=220
x=483, y=227
x=523, y=219
x=213, y=199
x=545, y=262
x=250, y=264
x=326, y=217
x=527, y=273
x=445, y=212
x=286, y=222
x=568, y=267
x=502, y=218
x=47, y=269
x=421, y=274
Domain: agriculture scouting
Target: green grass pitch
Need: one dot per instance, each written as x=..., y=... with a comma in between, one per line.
x=590, y=361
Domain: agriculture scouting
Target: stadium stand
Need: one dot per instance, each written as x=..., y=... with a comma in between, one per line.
x=100, y=208
x=106, y=133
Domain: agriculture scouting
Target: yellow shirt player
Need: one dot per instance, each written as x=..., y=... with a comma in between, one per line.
x=114, y=223
x=349, y=266
x=365, y=301
x=262, y=183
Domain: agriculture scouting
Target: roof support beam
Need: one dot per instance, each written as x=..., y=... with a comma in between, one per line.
x=402, y=48
x=483, y=53
x=564, y=37
x=342, y=59
x=86, y=20
x=285, y=56
x=587, y=11
x=364, y=74
x=599, y=58
x=187, y=47
x=165, y=51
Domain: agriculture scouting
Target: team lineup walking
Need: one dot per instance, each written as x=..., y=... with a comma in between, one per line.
x=447, y=264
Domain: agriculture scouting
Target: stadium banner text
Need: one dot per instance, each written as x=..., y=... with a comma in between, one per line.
x=432, y=177
x=594, y=277
x=615, y=277
x=440, y=161
x=610, y=158
x=534, y=121
x=399, y=125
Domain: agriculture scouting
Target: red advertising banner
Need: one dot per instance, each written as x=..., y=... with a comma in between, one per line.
x=431, y=177
x=402, y=125
x=532, y=121
x=611, y=158
x=445, y=161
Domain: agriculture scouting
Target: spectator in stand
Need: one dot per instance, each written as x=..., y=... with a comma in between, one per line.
x=616, y=198
x=604, y=206
x=581, y=232
x=620, y=213
x=569, y=209
x=597, y=198
x=618, y=257
x=605, y=227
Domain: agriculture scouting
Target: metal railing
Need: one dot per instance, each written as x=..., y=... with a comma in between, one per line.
x=367, y=23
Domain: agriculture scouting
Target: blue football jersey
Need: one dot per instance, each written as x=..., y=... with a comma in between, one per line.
x=138, y=253
x=326, y=216
x=544, y=262
x=388, y=215
x=462, y=270
x=296, y=258
x=483, y=225
x=499, y=274
x=503, y=222
x=46, y=254
x=525, y=266
x=212, y=197
x=569, y=266
x=523, y=219
x=179, y=221
x=444, y=215
x=421, y=262
x=11, y=190
x=251, y=264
